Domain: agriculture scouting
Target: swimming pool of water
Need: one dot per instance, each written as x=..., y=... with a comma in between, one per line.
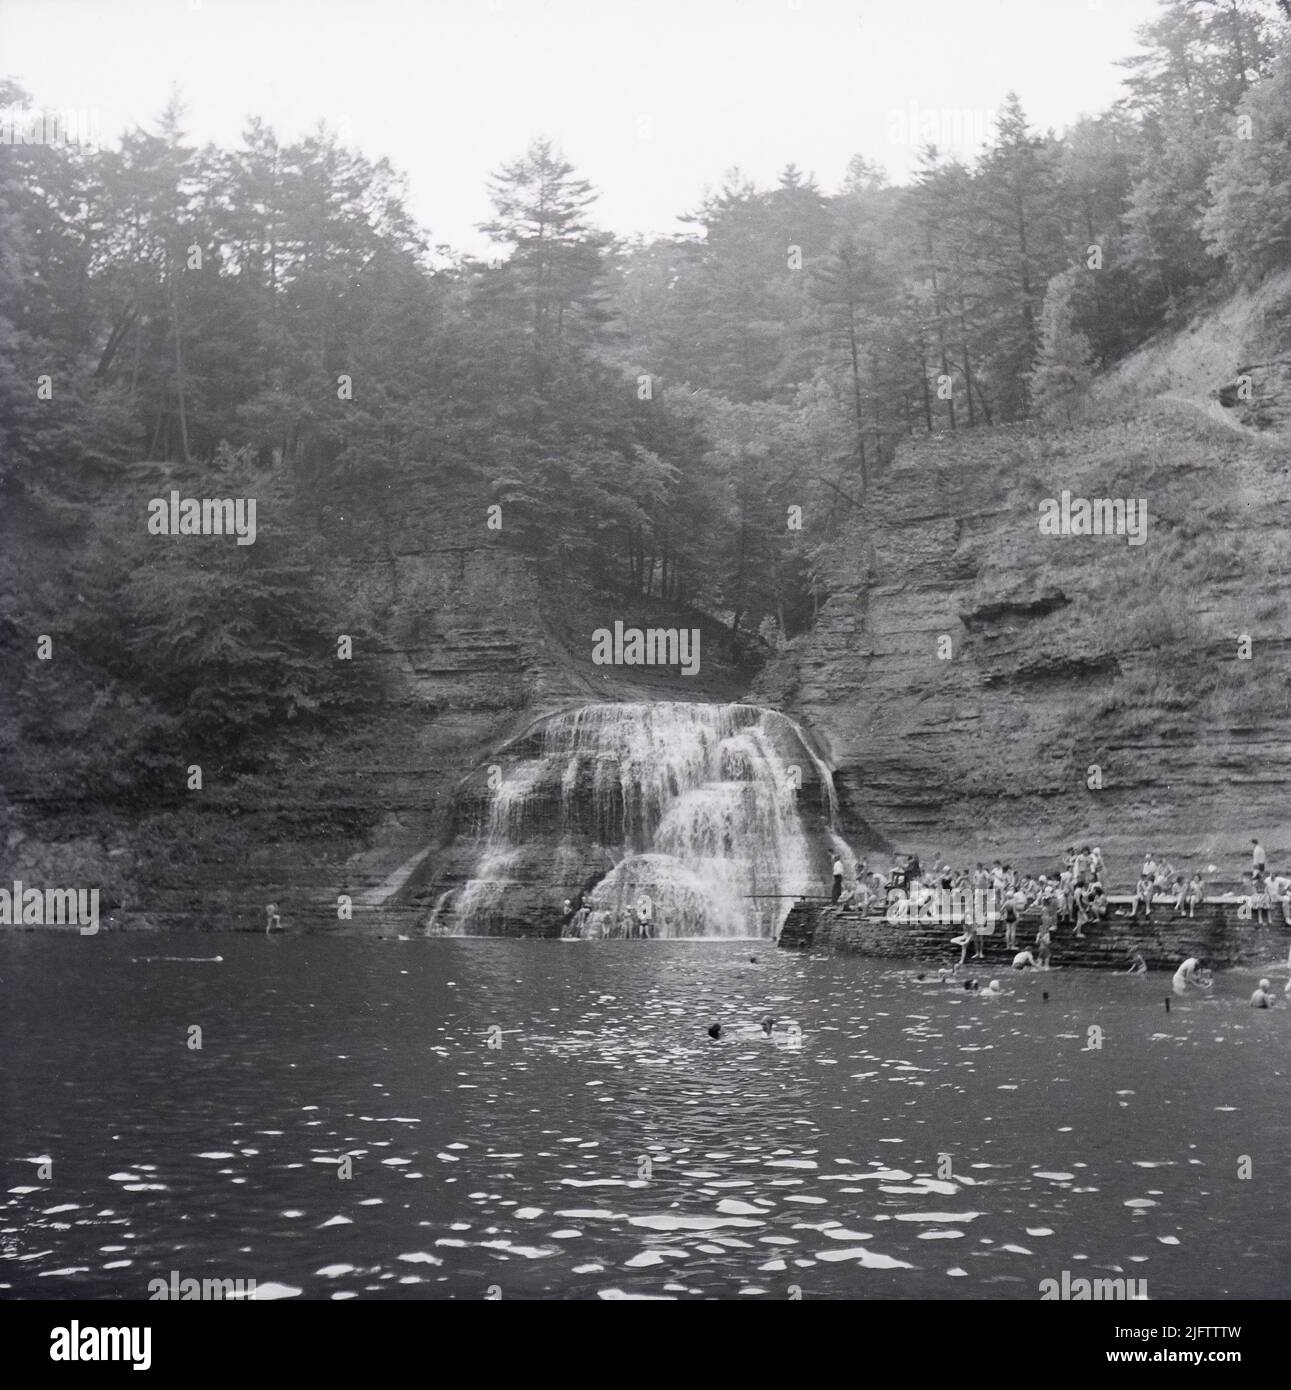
x=538, y=1119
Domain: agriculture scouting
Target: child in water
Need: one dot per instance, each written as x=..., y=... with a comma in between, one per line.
x=1262, y=998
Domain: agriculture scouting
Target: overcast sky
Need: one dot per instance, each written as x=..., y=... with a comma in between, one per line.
x=651, y=99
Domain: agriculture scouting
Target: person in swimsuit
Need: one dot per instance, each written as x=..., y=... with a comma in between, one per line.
x=1024, y=960
x=1194, y=895
x=1083, y=914
x=970, y=938
x=1080, y=867
x=1010, y=925
x=1280, y=892
x=1260, y=900
x=1189, y=973
x=1262, y=998
x=1142, y=894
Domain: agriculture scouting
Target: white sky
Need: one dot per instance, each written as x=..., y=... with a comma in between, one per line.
x=448, y=89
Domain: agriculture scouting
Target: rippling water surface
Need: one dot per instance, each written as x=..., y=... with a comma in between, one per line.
x=911, y=1140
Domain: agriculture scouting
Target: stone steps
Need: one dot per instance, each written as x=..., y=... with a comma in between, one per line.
x=1216, y=934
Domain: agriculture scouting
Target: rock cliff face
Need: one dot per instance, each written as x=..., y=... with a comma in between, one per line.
x=985, y=689
x=469, y=643
x=980, y=688
x=485, y=645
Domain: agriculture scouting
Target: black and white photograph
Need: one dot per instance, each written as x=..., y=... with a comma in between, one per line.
x=645, y=655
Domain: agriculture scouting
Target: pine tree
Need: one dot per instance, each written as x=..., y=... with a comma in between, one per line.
x=1249, y=220
x=1014, y=199
x=554, y=277
x=1062, y=373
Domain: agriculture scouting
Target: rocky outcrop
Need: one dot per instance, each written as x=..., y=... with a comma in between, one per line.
x=984, y=689
x=1260, y=395
x=468, y=642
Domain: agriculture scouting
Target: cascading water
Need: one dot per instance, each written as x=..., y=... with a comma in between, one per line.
x=687, y=817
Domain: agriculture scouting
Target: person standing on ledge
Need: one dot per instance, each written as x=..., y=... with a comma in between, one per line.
x=838, y=880
x=913, y=872
x=1280, y=888
x=1258, y=857
x=1261, y=901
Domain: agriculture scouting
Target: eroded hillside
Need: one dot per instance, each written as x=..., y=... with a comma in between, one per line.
x=1093, y=689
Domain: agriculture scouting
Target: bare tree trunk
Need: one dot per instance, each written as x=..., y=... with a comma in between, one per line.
x=856, y=394
x=179, y=370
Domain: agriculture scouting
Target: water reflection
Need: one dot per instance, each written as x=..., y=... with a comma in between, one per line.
x=553, y=1120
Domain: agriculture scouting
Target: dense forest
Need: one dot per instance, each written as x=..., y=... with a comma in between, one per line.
x=270, y=321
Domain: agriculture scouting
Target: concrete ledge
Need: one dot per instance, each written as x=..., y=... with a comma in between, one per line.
x=1216, y=934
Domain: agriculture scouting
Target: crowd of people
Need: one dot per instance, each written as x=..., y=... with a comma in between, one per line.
x=1266, y=889
x=1074, y=894
x=580, y=919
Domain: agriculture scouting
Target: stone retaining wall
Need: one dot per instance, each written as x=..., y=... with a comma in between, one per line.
x=1215, y=934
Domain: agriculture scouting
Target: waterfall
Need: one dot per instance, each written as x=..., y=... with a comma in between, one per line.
x=690, y=819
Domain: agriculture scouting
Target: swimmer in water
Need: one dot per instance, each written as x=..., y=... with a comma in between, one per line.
x=714, y=1030
x=1190, y=973
x=1138, y=966
x=1024, y=960
x=768, y=1026
x=993, y=988
x=1262, y=999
